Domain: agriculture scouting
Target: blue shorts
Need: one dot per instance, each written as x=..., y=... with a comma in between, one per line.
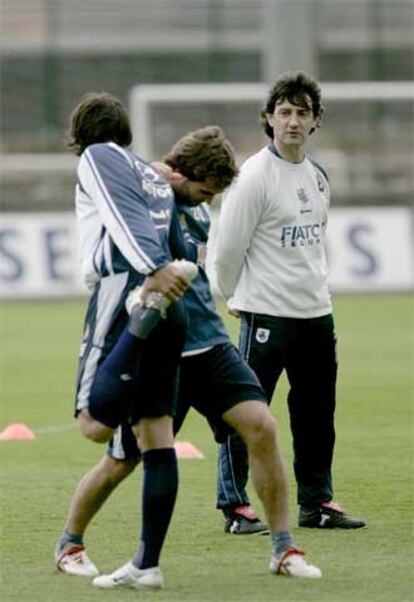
x=211, y=382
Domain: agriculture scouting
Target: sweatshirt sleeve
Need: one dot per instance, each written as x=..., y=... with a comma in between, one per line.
x=107, y=176
x=239, y=216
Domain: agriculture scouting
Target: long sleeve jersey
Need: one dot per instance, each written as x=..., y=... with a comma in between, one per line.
x=270, y=256
x=206, y=326
x=124, y=212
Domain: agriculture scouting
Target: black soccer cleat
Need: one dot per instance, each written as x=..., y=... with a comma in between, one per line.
x=329, y=516
x=244, y=521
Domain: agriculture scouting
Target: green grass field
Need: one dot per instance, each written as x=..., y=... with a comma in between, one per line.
x=373, y=474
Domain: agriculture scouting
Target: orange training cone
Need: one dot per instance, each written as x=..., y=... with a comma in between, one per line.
x=184, y=449
x=17, y=432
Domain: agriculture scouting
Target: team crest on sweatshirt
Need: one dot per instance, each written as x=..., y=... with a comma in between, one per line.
x=303, y=197
x=262, y=335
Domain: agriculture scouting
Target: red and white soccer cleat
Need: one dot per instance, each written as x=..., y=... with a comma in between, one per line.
x=74, y=560
x=293, y=562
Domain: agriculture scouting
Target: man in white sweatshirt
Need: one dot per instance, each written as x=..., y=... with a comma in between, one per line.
x=271, y=266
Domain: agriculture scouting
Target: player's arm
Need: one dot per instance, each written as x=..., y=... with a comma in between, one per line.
x=169, y=280
x=181, y=243
x=239, y=216
x=105, y=174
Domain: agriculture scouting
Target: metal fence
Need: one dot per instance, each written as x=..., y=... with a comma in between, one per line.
x=55, y=50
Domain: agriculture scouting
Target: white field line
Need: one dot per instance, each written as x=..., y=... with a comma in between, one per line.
x=184, y=449
x=59, y=428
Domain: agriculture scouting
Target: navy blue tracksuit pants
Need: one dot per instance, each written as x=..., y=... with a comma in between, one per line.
x=306, y=349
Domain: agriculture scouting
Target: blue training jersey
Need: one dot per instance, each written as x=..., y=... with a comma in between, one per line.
x=206, y=328
x=125, y=214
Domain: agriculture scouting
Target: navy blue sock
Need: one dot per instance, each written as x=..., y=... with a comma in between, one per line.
x=158, y=499
x=110, y=399
x=281, y=540
x=68, y=537
x=123, y=357
x=110, y=395
x=142, y=321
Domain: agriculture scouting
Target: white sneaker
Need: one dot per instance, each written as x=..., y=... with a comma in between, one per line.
x=156, y=300
x=129, y=576
x=74, y=560
x=293, y=562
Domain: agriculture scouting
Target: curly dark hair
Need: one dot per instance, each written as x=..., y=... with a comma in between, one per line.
x=204, y=153
x=99, y=117
x=297, y=88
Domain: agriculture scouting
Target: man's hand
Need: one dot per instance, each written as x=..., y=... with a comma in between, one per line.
x=168, y=280
x=166, y=172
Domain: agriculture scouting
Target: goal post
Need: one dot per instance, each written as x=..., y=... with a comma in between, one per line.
x=145, y=99
x=365, y=143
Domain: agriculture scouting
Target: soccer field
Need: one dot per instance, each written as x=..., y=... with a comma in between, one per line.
x=373, y=474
